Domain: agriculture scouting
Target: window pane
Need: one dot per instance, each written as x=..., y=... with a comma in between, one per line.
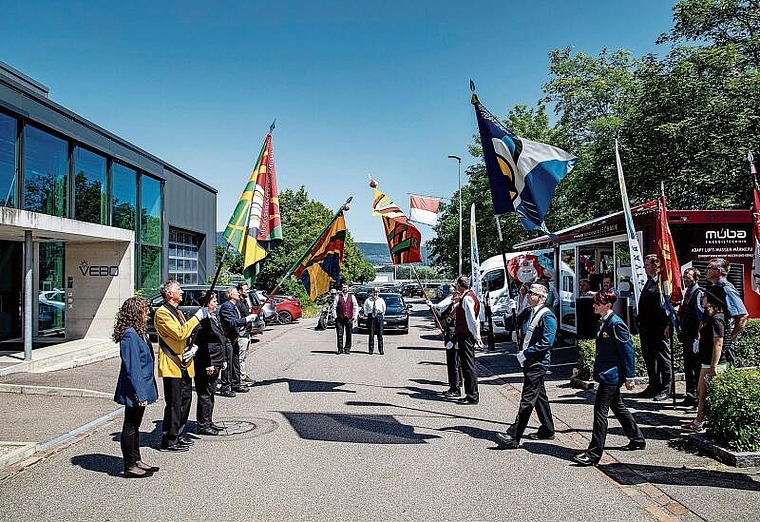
x=150, y=269
x=124, y=196
x=90, y=191
x=7, y=161
x=51, y=306
x=45, y=173
x=150, y=212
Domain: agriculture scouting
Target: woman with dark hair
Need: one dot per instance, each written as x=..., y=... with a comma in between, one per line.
x=136, y=387
x=211, y=358
x=712, y=332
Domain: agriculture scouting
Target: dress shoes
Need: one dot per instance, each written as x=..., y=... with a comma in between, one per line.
x=584, y=459
x=247, y=381
x=208, y=431
x=635, y=445
x=506, y=441
x=140, y=464
x=662, y=396
x=381, y=352
x=539, y=436
x=646, y=393
x=240, y=389
x=226, y=393
x=216, y=427
x=185, y=441
x=174, y=448
x=688, y=401
x=468, y=400
x=452, y=394
x=137, y=472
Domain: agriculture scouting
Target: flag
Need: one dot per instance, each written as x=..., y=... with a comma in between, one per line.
x=255, y=227
x=670, y=269
x=322, y=263
x=637, y=260
x=523, y=174
x=755, y=225
x=475, y=278
x=423, y=210
x=404, y=240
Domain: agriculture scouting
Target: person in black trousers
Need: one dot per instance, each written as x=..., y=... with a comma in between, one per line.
x=539, y=327
x=689, y=315
x=466, y=336
x=453, y=369
x=613, y=366
x=654, y=333
x=136, y=387
x=235, y=324
x=210, y=359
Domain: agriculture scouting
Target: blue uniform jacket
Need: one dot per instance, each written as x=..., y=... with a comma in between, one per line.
x=614, y=361
x=136, y=378
x=539, y=350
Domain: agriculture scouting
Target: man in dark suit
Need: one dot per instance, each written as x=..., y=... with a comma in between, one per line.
x=689, y=315
x=613, y=366
x=654, y=332
x=539, y=327
x=244, y=339
x=210, y=359
x=234, y=322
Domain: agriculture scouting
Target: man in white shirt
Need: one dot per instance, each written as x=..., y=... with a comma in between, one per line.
x=374, y=309
x=466, y=336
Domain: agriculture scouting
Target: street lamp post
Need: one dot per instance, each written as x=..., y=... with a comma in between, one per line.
x=459, y=171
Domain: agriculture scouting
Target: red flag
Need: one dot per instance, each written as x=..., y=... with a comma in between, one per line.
x=423, y=210
x=670, y=275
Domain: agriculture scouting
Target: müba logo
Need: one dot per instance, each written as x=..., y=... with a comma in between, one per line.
x=98, y=270
x=725, y=233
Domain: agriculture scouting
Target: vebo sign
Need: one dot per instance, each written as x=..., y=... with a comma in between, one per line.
x=89, y=270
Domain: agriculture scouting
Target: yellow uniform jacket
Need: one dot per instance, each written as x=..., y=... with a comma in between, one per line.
x=174, y=333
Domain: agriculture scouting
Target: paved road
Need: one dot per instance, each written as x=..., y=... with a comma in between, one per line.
x=326, y=437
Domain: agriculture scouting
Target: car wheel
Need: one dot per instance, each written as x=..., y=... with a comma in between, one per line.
x=285, y=317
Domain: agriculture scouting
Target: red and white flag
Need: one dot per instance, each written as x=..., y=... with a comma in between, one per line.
x=423, y=210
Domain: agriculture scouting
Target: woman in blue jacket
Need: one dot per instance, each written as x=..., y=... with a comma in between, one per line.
x=136, y=387
x=613, y=366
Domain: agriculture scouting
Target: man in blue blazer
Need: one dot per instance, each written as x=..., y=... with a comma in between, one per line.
x=613, y=366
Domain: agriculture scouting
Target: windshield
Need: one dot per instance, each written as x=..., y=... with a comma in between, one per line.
x=393, y=303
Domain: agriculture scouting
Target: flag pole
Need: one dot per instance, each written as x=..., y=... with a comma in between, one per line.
x=509, y=281
x=342, y=208
x=427, y=301
x=662, y=208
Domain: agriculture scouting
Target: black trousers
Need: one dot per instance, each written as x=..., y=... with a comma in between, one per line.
x=205, y=387
x=376, y=329
x=466, y=355
x=178, y=394
x=130, y=435
x=656, y=353
x=691, y=366
x=533, y=396
x=344, y=324
x=608, y=396
x=453, y=369
x=231, y=376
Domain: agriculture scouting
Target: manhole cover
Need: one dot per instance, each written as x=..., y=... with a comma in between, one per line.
x=244, y=428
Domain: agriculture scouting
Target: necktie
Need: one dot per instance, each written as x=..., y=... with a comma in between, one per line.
x=374, y=307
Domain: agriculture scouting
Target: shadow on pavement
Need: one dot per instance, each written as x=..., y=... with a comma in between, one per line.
x=422, y=348
x=100, y=463
x=432, y=363
x=687, y=477
x=428, y=381
x=423, y=394
x=364, y=429
x=303, y=386
x=430, y=412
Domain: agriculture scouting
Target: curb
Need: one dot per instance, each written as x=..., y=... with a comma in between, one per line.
x=21, y=451
x=740, y=459
x=28, y=389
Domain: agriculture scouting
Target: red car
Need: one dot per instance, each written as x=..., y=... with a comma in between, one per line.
x=288, y=308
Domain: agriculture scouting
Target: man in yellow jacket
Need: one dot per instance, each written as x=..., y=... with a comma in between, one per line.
x=175, y=364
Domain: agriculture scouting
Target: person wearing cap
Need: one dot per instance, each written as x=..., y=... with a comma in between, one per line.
x=539, y=327
x=654, y=333
x=466, y=336
x=613, y=366
x=374, y=309
x=734, y=309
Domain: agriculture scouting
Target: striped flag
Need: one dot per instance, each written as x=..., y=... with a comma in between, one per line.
x=255, y=227
x=322, y=263
x=423, y=210
x=404, y=240
x=670, y=273
x=755, y=225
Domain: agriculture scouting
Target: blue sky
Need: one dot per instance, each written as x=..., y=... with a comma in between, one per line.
x=356, y=87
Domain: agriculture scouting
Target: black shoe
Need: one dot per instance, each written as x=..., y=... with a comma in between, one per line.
x=140, y=464
x=688, y=401
x=185, y=441
x=635, y=445
x=647, y=393
x=451, y=394
x=247, y=381
x=340, y=352
x=371, y=352
x=540, y=436
x=226, y=393
x=174, y=448
x=584, y=459
x=240, y=389
x=216, y=427
x=662, y=396
x=506, y=441
x=208, y=431
x=347, y=352
x=468, y=400
x=381, y=352
x=137, y=472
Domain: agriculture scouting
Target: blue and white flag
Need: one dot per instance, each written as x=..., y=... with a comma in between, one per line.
x=523, y=174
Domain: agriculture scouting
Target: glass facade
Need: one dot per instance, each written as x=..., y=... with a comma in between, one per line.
x=151, y=212
x=46, y=169
x=51, y=306
x=90, y=187
x=8, y=132
x=183, y=256
x=124, y=199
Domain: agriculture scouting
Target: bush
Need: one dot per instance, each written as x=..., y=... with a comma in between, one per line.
x=733, y=409
x=293, y=286
x=587, y=353
x=747, y=346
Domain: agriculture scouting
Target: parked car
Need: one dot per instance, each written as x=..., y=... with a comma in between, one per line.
x=396, y=314
x=51, y=309
x=443, y=291
x=191, y=301
x=412, y=290
x=287, y=308
x=501, y=315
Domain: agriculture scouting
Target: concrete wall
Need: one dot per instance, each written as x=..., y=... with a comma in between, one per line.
x=101, y=279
